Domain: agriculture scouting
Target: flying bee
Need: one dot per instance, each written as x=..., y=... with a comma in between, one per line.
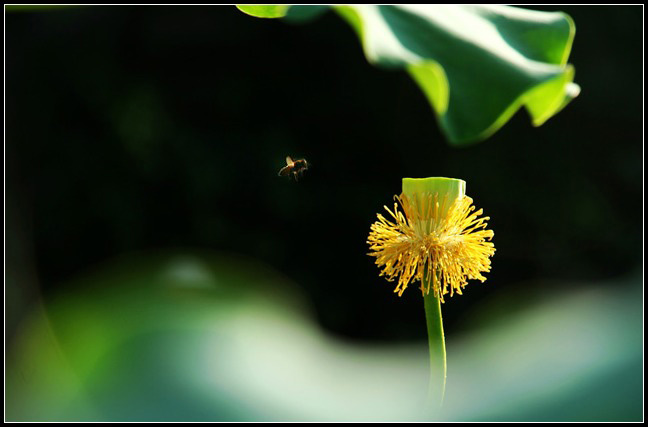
x=294, y=167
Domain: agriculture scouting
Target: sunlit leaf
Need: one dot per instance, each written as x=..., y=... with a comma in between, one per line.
x=476, y=64
x=264, y=11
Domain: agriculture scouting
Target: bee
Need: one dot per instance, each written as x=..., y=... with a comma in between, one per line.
x=294, y=167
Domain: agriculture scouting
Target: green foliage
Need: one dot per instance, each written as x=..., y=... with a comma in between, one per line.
x=477, y=65
x=195, y=336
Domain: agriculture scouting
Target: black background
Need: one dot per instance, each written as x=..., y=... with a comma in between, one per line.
x=130, y=129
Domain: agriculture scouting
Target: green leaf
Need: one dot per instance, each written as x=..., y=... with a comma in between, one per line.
x=476, y=64
x=265, y=11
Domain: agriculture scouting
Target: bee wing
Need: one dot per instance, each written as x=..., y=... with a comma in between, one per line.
x=284, y=171
x=289, y=160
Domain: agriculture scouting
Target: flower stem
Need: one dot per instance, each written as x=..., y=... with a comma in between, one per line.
x=436, y=342
x=448, y=189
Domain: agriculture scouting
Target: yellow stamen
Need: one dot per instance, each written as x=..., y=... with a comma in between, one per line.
x=450, y=245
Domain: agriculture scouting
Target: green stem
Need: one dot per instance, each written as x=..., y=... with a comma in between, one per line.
x=448, y=189
x=436, y=342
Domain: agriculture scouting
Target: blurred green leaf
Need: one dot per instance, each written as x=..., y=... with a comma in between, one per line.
x=212, y=337
x=476, y=64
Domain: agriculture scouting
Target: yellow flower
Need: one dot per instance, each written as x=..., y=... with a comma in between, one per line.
x=449, y=244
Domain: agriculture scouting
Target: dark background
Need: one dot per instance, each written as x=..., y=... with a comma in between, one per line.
x=133, y=129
